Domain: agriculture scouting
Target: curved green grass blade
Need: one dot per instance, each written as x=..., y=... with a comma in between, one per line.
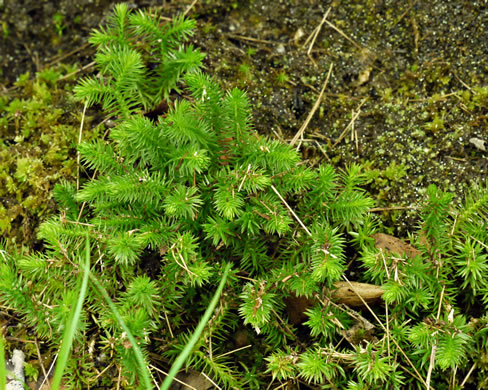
x=3, y=370
x=146, y=380
x=180, y=360
x=72, y=323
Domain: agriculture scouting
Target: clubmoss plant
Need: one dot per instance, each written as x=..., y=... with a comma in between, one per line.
x=182, y=191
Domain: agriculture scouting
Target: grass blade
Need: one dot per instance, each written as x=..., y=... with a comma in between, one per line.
x=72, y=323
x=137, y=351
x=3, y=370
x=180, y=360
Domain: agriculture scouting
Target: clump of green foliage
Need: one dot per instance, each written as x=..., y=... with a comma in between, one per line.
x=183, y=189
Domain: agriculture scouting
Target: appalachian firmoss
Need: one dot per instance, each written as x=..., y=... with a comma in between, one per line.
x=178, y=197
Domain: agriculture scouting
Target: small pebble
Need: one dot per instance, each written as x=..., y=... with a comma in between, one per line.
x=16, y=366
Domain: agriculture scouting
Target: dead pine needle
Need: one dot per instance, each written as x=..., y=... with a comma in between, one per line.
x=67, y=76
x=468, y=375
x=388, y=335
x=381, y=209
x=169, y=325
x=313, y=36
x=234, y=351
x=299, y=220
x=211, y=381
x=186, y=385
x=314, y=108
x=358, y=46
x=187, y=11
x=46, y=378
x=417, y=374
x=351, y=123
x=291, y=210
x=431, y=365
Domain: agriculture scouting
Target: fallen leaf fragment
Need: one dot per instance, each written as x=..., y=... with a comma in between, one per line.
x=395, y=245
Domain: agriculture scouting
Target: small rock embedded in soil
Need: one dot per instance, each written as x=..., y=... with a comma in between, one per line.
x=15, y=367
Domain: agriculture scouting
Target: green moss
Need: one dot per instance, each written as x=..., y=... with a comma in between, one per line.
x=38, y=138
x=282, y=78
x=5, y=30
x=58, y=20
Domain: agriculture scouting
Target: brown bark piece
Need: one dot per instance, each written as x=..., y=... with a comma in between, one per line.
x=347, y=293
x=395, y=245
